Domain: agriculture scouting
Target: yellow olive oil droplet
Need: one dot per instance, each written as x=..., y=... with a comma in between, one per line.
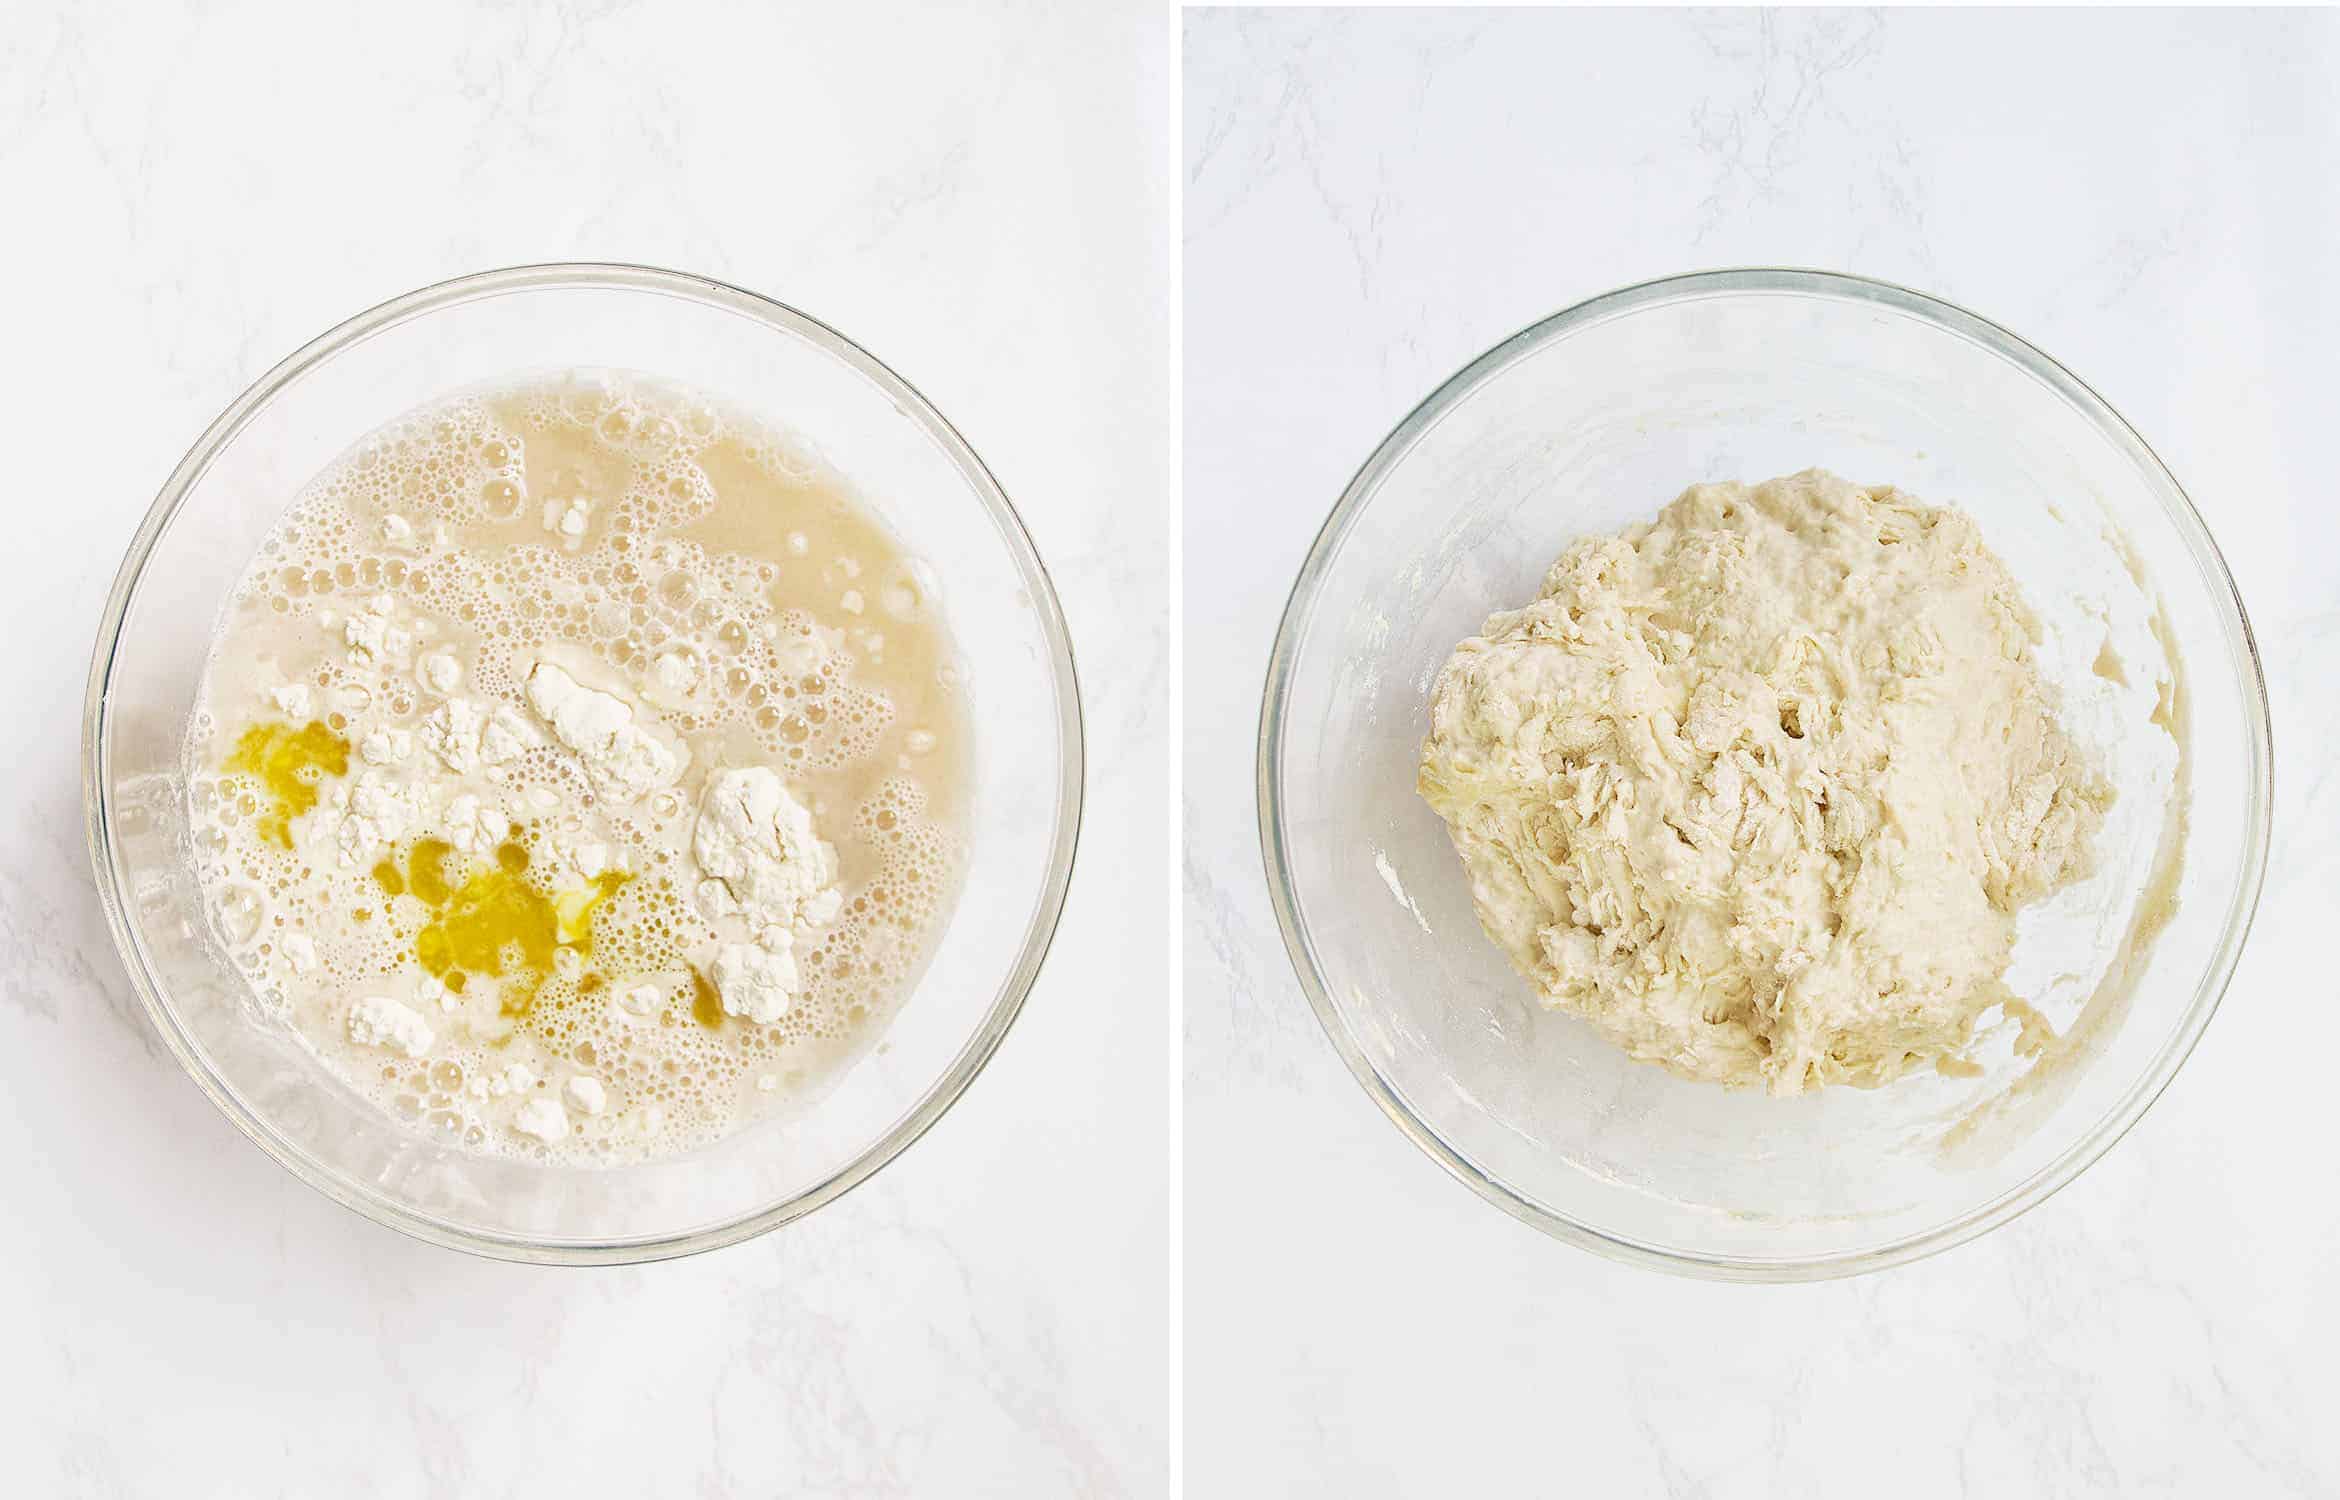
x=577, y=907
x=426, y=871
x=387, y=877
x=290, y=763
x=499, y=923
x=706, y=1005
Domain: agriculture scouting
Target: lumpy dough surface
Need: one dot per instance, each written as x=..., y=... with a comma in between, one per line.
x=1758, y=788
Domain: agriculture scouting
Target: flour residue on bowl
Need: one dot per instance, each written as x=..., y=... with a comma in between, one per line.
x=1986, y=1131
x=1397, y=889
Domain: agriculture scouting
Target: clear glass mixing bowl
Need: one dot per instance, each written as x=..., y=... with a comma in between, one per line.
x=1588, y=422
x=771, y=361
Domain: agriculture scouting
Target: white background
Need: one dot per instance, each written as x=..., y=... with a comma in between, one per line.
x=981, y=194
x=1373, y=199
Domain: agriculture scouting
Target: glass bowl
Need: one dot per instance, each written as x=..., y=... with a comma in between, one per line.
x=1590, y=421
x=770, y=361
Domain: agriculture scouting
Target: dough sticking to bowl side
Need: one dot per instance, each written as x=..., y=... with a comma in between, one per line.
x=1759, y=787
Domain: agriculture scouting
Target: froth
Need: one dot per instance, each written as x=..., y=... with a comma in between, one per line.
x=718, y=574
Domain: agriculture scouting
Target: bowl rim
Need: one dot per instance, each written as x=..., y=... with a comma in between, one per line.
x=1692, y=286
x=781, y=318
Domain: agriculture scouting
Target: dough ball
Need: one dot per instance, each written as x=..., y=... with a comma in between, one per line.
x=1759, y=787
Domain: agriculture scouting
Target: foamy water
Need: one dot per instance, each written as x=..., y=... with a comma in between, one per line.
x=482, y=928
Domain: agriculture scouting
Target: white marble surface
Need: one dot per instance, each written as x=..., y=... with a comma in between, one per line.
x=981, y=193
x=1372, y=199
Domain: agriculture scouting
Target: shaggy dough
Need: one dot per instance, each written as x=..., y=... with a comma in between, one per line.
x=1757, y=788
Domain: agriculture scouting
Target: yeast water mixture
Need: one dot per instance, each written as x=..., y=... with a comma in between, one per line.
x=579, y=770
